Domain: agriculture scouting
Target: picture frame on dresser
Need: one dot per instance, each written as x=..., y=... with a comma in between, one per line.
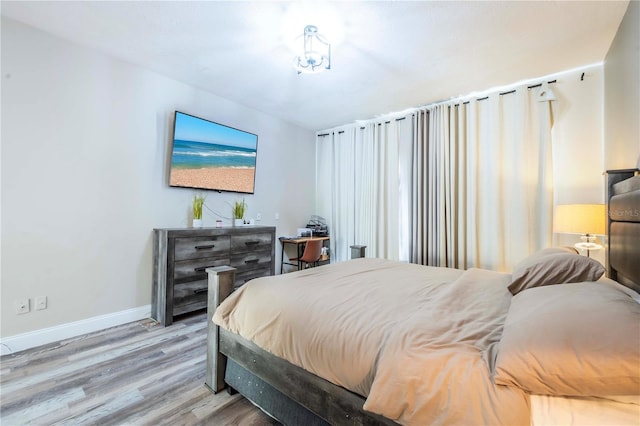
x=182, y=255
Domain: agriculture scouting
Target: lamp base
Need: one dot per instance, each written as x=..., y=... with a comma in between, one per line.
x=589, y=242
x=588, y=246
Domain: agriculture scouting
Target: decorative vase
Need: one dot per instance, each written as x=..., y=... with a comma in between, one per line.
x=197, y=223
x=238, y=222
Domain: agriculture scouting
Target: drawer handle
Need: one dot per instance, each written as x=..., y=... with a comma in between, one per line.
x=251, y=261
x=202, y=268
x=205, y=247
x=200, y=290
x=252, y=243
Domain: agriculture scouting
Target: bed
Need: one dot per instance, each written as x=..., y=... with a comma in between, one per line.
x=420, y=345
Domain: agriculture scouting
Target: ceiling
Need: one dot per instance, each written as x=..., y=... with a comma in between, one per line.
x=387, y=56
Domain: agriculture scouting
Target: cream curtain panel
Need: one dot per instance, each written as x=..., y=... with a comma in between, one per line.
x=482, y=175
x=455, y=184
x=358, y=189
x=335, y=194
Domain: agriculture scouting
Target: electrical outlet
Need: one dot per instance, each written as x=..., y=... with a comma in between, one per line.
x=259, y=216
x=21, y=305
x=41, y=303
x=277, y=216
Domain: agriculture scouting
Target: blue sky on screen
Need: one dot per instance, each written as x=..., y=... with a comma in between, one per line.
x=194, y=129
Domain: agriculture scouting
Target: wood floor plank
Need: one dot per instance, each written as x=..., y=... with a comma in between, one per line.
x=30, y=413
x=135, y=374
x=176, y=408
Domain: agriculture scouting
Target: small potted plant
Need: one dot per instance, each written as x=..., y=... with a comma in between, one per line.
x=198, y=202
x=238, y=210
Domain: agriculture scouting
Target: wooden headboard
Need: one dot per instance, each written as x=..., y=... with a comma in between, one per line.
x=623, y=263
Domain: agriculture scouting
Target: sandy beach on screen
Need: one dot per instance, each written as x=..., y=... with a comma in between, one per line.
x=225, y=178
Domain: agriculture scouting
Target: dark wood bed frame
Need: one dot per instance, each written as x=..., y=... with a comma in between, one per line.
x=623, y=227
x=294, y=396
x=285, y=391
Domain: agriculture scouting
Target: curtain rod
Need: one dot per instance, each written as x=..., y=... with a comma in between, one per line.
x=514, y=90
x=362, y=128
x=466, y=102
x=540, y=84
x=387, y=122
x=507, y=93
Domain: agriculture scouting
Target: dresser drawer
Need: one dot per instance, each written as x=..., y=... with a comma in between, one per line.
x=199, y=247
x=181, y=257
x=194, y=269
x=251, y=260
x=251, y=242
x=190, y=296
x=242, y=277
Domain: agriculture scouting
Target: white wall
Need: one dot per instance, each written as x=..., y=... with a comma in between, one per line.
x=85, y=142
x=578, y=137
x=622, y=94
x=578, y=143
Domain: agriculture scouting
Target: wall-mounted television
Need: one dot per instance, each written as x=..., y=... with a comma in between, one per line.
x=208, y=155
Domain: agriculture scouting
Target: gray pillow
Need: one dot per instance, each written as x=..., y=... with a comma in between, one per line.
x=580, y=339
x=556, y=265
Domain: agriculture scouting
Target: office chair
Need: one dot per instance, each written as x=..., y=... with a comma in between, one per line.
x=311, y=254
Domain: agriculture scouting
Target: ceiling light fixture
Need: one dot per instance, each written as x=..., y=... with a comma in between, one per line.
x=316, y=56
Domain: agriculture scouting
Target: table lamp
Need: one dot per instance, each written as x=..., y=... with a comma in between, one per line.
x=587, y=220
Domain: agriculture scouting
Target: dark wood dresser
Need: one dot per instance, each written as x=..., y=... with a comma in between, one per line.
x=181, y=255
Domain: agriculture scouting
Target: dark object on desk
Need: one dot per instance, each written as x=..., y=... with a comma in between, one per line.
x=305, y=233
x=318, y=226
x=319, y=232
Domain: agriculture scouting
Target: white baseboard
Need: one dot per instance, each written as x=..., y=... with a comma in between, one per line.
x=29, y=340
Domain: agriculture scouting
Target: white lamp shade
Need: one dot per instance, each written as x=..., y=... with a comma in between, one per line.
x=580, y=219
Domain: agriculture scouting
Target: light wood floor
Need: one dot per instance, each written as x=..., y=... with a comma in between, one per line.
x=135, y=374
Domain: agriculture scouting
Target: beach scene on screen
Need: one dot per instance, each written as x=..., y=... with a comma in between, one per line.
x=212, y=156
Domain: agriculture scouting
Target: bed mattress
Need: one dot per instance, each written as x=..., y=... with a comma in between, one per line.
x=426, y=345
x=415, y=341
x=567, y=411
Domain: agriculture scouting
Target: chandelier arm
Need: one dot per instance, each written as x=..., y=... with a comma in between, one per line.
x=316, y=55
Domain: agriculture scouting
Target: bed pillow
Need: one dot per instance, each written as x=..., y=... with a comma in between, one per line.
x=577, y=340
x=556, y=265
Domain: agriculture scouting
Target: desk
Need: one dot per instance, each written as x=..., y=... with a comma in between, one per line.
x=299, y=243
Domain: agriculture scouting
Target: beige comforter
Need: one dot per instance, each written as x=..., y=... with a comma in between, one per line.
x=416, y=341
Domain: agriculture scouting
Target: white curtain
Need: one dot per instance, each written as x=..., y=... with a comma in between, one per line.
x=335, y=196
x=361, y=201
x=459, y=185
x=377, y=189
